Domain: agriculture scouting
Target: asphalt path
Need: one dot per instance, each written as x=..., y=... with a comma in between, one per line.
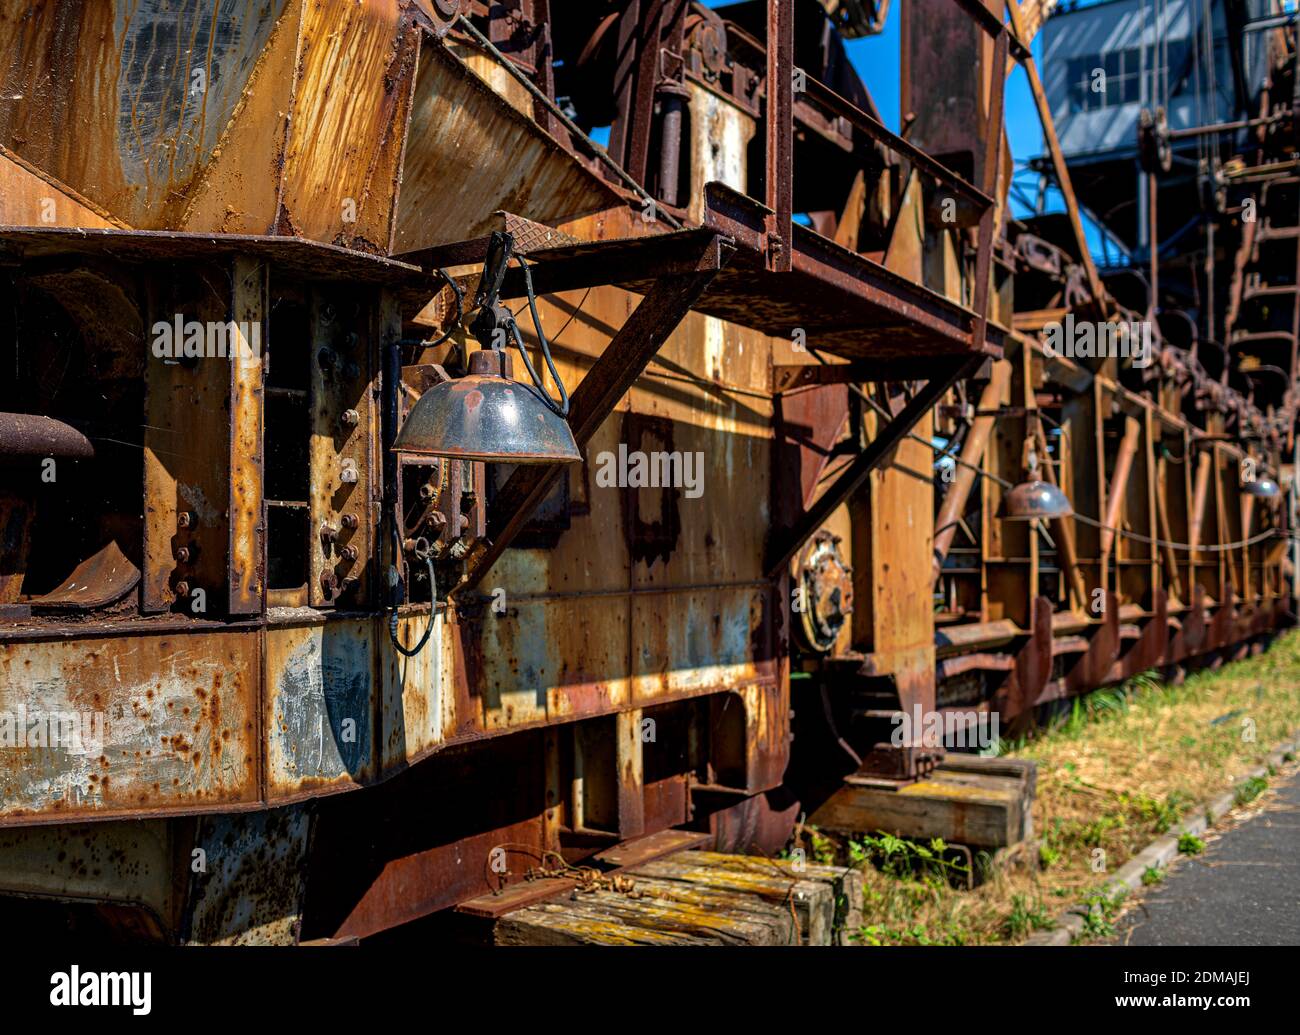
x=1244, y=889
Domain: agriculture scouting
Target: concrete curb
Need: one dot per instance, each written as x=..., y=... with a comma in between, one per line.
x=1128, y=878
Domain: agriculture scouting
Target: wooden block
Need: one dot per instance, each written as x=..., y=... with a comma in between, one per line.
x=978, y=816
x=661, y=913
x=551, y=924
x=1023, y=769
x=772, y=881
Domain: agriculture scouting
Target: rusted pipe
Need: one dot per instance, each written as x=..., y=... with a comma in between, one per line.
x=670, y=152
x=31, y=435
x=1199, y=494
x=1171, y=558
x=1119, y=483
x=972, y=453
x=1247, y=519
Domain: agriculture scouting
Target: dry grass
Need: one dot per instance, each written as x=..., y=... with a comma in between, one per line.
x=1123, y=767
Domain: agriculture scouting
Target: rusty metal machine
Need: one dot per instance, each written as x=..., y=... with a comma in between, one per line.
x=400, y=489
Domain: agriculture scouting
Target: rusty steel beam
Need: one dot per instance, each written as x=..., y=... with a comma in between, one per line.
x=785, y=545
x=622, y=361
x=779, y=116
x=989, y=182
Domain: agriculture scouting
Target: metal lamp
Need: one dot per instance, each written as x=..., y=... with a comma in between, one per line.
x=486, y=415
x=1035, y=499
x=1263, y=488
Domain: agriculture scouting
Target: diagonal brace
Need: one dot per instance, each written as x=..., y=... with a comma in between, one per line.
x=784, y=547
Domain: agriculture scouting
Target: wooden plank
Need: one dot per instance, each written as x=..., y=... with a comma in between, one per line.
x=551, y=924
x=659, y=913
x=1023, y=769
x=772, y=881
x=986, y=817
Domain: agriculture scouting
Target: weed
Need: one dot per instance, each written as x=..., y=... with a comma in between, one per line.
x=1190, y=844
x=1025, y=917
x=1250, y=790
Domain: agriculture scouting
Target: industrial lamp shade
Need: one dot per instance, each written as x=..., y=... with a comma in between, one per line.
x=487, y=416
x=1035, y=499
x=1264, y=488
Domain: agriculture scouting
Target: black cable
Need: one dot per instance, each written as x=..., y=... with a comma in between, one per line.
x=411, y=652
x=562, y=409
x=459, y=292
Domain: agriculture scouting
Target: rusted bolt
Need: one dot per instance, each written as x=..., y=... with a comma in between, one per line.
x=427, y=491
x=183, y=554
x=328, y=582
x=349, y=418
x=348, y=476
x=350, y=521
x=348, y=553
x=182, y=589
x=328, y=532
x=185, y=519
x=438, y=520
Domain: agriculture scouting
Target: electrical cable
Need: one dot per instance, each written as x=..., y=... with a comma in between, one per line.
x=562, y=409
x=411, y=652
